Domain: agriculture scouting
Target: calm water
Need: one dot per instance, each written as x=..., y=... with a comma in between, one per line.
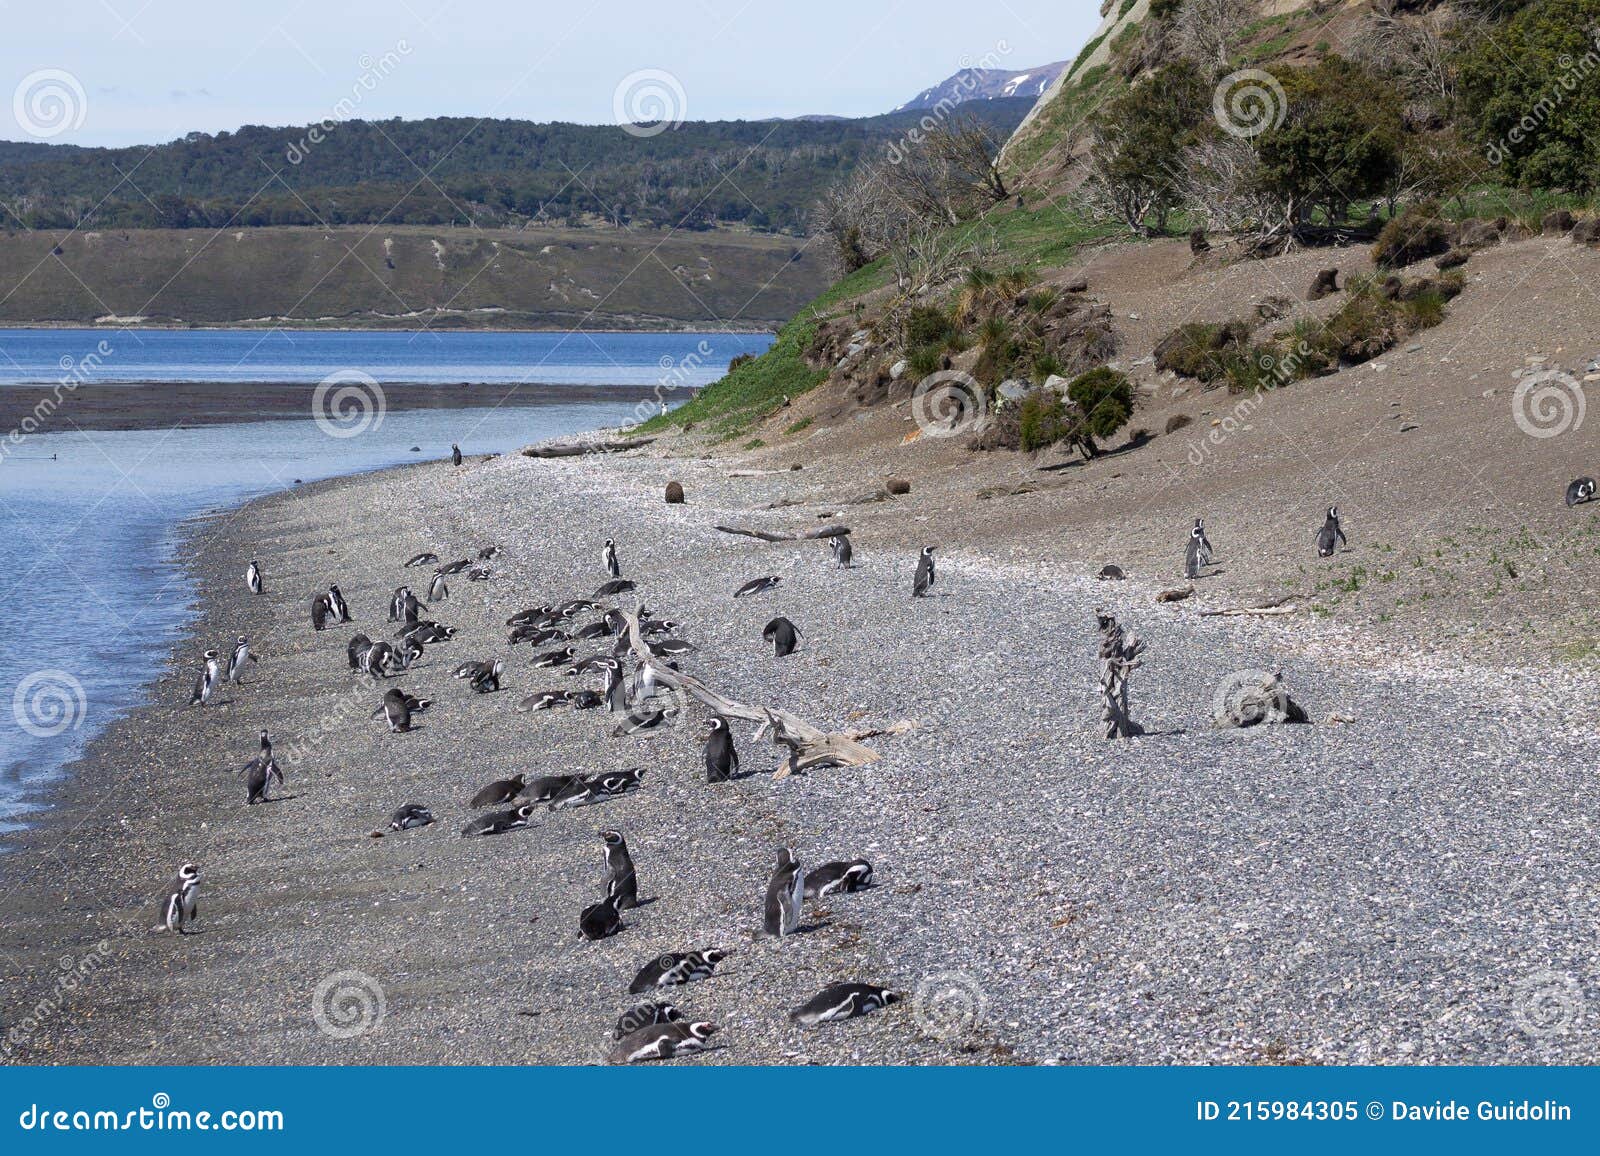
x=31, y=356
x=90, y=520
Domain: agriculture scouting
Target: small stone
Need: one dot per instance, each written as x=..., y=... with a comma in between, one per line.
x=897, y=370
x=897, y=486
x=674, y=493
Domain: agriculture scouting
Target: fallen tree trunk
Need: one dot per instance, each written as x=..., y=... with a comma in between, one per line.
x=803, y=536
x=1268, y=609
x=578, y=449
x=808, y=746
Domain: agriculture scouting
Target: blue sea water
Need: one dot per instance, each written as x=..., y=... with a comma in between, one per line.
x=90, y=519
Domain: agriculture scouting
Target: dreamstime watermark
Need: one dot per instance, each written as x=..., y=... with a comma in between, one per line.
x=1248, y=697
x=1282, y=370
x=348, y=403
x=347, y=708
x=160, y=1116
x=49, y=702
x=948, y=404
x=1573, y=74
x=1547, y=1004
x=75, y=371
x=649, y=102
x=48, y=103
x=374, y=70
x=949, y=1005
x=1248, y=103
x=348, y=1004
x=70, y=974
x=1547, y=404
x=966, y=82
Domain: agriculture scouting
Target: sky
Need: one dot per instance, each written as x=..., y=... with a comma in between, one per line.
x=121, y=72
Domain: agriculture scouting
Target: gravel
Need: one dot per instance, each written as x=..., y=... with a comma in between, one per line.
x=1412, y=886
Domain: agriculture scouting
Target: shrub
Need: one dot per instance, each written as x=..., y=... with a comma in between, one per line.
x=1043, y=420
x=741, y=359
x=1104, y=398
x=1201, y=349
x=1415, y=234
x=1177, y=421
x=925, y=359
x=926, y=325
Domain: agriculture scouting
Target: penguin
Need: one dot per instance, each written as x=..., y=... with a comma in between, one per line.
x=831, y=878
x=422, y=559
x=455, y=454
x=410, y=817
x=337, y=604
x=599, y=920
x=785, y=889
x=757, y=586
x=205, y=685
x=1331, y=534
x=782, y=634
x=409, y=651
x=437, y=590
x=608, y=558
x=1205, y=543
x=614, y=587
x=1192, y=553
x=498, y=792
x=922, y=581
x=178, y=901
x=479, y=574
x=241, y=654
x=592, y=631
x=722, y=760
x=487, y=553
x=544, y=700
x=522, y=617
x=397, y=711
x=843, y=1001
x=535, y=636
x=583, y=699
x=1580, y=491
x=549, y=787
x=396, y=601
x=643, y=1015
x=554, y=658
x=615, y=782
x=262, y=772
x=380, y=660
x=842, y=551
x=488, y=681
x=321, y=610
x=252, y=576
x=578, y=606
x=671, y=648
x=499, y=822
x=662, y=1042
x=637, y=721
x=469, y=670
x=622, y=884
x=455, y=567
x=671, y=968
x=615, y=690
x=644, y=682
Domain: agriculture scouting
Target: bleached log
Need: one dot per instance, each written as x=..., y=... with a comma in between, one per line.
x=1270, y=609
x=809, y=746
x=1119, y=658
x=773, y=536
x=579, y=449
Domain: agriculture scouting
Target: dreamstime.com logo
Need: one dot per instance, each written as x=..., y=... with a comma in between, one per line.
x=948, y=404
x=348, y=1004
x=348, y=403
x=1547, y=1004
x=949, y=1005
x=1248, y=103
x=49, y=702
x=48, y=103
x=160, y=1116
x=649, y=102
x=1548, y=404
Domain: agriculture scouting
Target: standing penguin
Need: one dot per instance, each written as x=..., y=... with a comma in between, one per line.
x=842, y=551
x=1192, y=553
x=721, y=759
x=455, y=453
x=785, y=889
x=252, y=578
x=923, y=581
x=437, y=589
x=608, y=558
x=622, y=884
x=1205, y=543
x=321, y=609
x=178, y=901
x=262, y=771
x=782, y=634
x=241, y=654
x=205, y=685
x=1331, y=534
x=615, y=690
x=337, y=604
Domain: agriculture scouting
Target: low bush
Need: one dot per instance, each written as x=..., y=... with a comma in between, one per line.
x=1201, y=350
x=1416, y=234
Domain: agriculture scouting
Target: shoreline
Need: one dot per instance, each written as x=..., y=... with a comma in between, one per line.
x=1161, y=867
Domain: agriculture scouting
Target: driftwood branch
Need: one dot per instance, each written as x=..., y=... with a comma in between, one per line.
x=579, y=449
x=803, y=536
x=808, y=745
x=1119, y=658
x=1266, y=610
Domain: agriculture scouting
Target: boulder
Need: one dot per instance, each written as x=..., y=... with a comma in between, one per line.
x=1558, y=223
x=1587, y=232
x=1325, y=284
x=897, y=486
x=1478, y=235
x=897, y=369
x=1014, y=389
x=1454, y=259
x=674, y=493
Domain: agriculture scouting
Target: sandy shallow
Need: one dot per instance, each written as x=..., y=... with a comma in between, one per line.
x=1413, y=885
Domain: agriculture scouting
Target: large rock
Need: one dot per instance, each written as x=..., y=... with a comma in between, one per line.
x=1587, y=232
x=674, y=493
x=1325, y=284
x=1558, y=223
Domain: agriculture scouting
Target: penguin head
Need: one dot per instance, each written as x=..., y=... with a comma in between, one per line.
x=609, y=542
x=715, y=955
x=612, y=837
x=717, y=724
x=927, y=551
x=1197, y=533
x=785, y=857
x=525, y=811
x=890, y=997
x=702, y=1030
x=212, y=653
x=1333, y=512
x=189, y=873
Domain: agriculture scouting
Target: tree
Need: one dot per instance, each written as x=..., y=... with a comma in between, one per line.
x=1104, y=401
x=1136, y=153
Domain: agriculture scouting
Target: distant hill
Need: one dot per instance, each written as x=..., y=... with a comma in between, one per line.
x=987, y=84
x=762, y=175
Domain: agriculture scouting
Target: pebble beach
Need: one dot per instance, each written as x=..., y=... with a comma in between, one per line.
x=1408, y=879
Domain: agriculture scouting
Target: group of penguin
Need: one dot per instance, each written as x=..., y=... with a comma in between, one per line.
x=655, y=1028
x=1197, y=554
